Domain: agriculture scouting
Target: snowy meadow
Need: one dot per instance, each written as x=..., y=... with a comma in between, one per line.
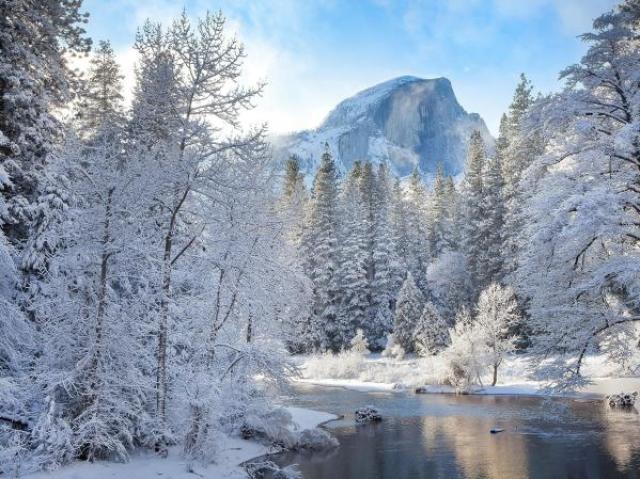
x=168, y=273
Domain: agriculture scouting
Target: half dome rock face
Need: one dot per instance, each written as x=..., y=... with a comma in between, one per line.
x=405, y=122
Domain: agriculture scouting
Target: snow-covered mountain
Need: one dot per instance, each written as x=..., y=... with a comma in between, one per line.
x=406, y=121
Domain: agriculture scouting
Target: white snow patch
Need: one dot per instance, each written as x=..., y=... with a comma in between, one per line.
x=146, y=465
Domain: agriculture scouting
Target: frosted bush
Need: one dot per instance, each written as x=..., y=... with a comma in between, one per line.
x=359, y=343
x=393, y=348
x=316, y=439
x=274, y=426
x=465, y=356
x=343, y=365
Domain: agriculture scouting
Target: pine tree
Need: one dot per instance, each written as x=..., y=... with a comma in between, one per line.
x=493, y=224
x=367, y=195
x=453, y=218
x=473, y=208
x=437, y=215
x=101, y=98
x=294, y=200
x=154, y=111
x=321, y=256
x=354, y=257
x=516, y=149
x=432, y=332
x=399, y=230
x=407, y=314
x=387, y=271
x=34, y=80
x=417, y=244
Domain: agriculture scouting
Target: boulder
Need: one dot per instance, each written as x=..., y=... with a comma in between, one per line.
x=367, y=414
x=622, y=400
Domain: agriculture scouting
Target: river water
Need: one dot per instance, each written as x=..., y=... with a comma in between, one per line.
x=448, y=436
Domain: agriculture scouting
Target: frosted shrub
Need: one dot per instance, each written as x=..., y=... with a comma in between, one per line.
x=316, y=439
x=393, y=349
x=465, y=355
x=274, y=426
x=344, y=365
x=432, y=333
x=359, y=343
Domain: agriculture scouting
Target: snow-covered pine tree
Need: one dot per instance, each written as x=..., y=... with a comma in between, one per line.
x=398, y=219
x=437, y=215
x=431, y=335
x=354, y=257
x=473, y=213
x=449, y=284
x=154, y=121
x=321, y=256
x=516, y=147
x=453, y=218
x=493, y=207
x=387, y=269
x=496, y=314
x=36, y=39
x=409, y=308
x=294, y=200
x=417, y=241
x=367, y=194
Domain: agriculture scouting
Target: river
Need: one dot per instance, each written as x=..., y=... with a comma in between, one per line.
x=448, y=436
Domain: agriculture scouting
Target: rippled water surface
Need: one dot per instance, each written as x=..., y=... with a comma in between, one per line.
x=447, y=436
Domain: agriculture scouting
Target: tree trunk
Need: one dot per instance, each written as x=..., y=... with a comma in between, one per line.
x=495, y=375
x=102, y=295
x=249, y=328
x=163, y=326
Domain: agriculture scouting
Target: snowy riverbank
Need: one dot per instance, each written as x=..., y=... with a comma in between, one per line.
x=231, y=453
x=373, y=372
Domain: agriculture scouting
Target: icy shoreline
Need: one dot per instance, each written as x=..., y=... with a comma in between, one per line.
x=373, y=373
x=232, y=453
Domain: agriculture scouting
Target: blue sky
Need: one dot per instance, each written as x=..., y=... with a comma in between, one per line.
x=314, y=53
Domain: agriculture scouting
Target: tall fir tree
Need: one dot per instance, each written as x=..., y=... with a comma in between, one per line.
x=417, y=241
x=516, y=150
x=399, y=230
x=387, y=270
x=493, y=223
x=354, y=258
x=293, y=202
x=409, y=308
x=437, y=225
x=431, y=335
x=321, y=256
x=473, y=208
x=36, y=40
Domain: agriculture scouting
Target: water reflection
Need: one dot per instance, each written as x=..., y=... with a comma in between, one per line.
x=447, y=437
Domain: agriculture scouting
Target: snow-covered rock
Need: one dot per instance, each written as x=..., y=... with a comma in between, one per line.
x=622, y=400
x=367, y=414
x=406, y=122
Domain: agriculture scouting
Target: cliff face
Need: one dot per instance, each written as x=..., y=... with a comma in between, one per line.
x=406, y=122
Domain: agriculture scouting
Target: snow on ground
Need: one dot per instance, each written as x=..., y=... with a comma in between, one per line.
x=375, y=373
x=307, y=418
x=231, y=453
